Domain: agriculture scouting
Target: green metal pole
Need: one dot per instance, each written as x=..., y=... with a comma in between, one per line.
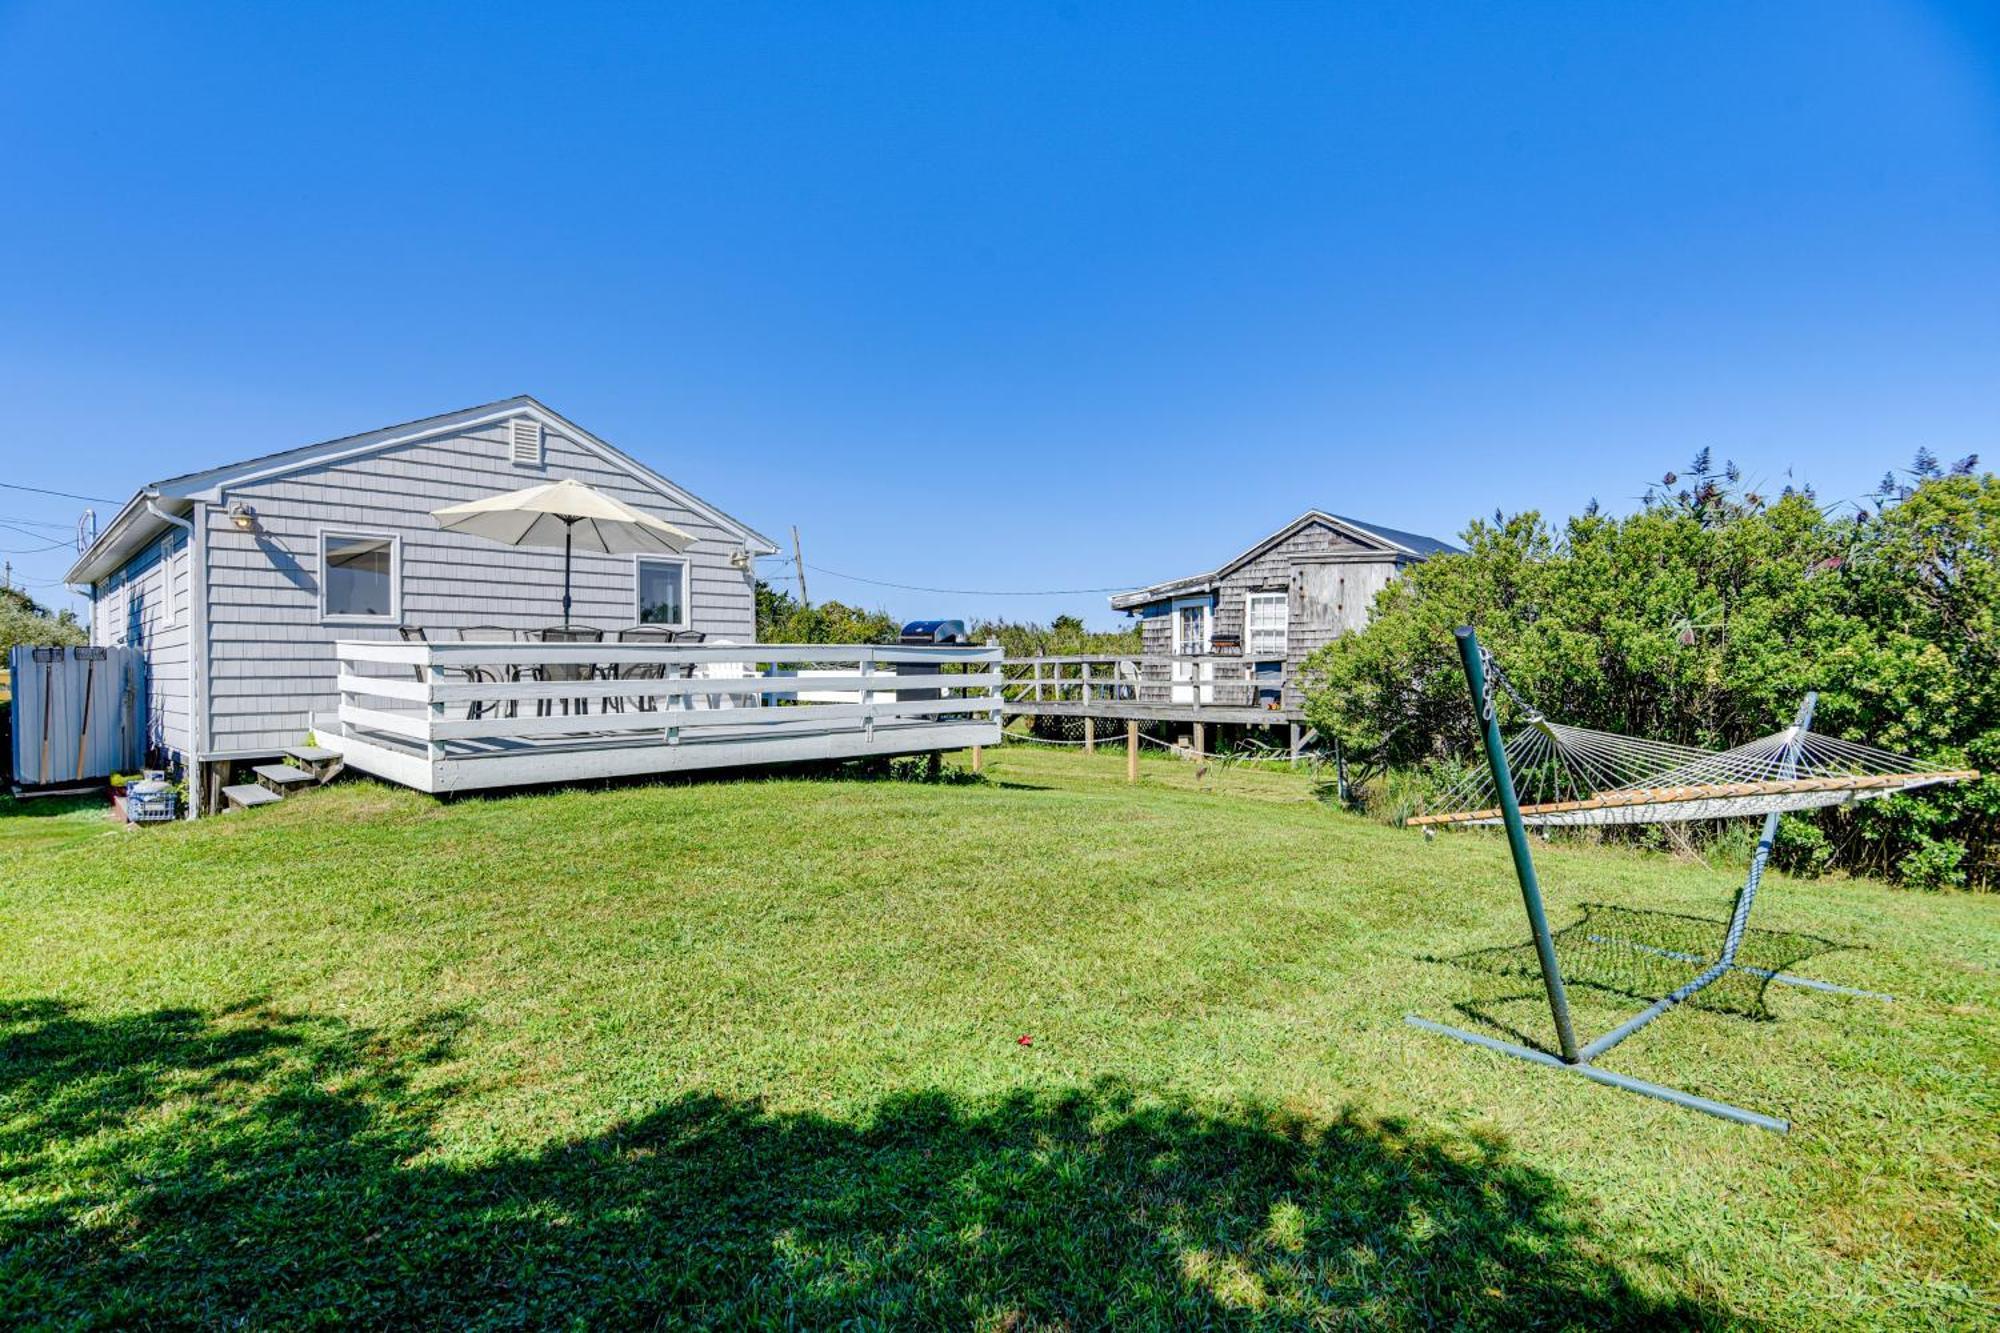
x=1517, y=838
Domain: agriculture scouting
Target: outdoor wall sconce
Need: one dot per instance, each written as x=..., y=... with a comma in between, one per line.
x=242, y=515
x=739, y=558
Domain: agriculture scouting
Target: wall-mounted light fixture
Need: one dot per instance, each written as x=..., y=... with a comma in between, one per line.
x=242, y=515
x=739, y=558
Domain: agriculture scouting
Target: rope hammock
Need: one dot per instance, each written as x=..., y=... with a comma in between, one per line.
x=1569, y=776
x=1551, y=774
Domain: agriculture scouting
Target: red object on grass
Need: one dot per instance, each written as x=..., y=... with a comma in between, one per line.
x=1026, y=1040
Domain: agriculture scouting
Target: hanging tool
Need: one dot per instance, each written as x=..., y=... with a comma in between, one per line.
x=48, y=657
x=91, y=657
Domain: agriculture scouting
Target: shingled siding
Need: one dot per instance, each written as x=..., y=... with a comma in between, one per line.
x=1330, y=581
x=271, y=659
x=146, y=606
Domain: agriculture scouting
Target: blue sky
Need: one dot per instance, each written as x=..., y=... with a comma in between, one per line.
x=1009, y=296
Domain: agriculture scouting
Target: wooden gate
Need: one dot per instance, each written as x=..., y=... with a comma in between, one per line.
x=79, y=714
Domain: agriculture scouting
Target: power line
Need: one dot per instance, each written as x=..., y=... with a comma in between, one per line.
x=67, y=495
x=972, y=592
x=20, y=531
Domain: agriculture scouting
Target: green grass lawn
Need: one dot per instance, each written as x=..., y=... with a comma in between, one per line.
x=750, y=1052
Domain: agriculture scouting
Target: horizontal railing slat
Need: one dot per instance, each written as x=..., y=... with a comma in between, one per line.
x=412, y=726
x=452, y=691
x=683, y=719
x=571, y=654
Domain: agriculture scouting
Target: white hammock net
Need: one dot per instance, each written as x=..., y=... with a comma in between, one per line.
x=1568, y=776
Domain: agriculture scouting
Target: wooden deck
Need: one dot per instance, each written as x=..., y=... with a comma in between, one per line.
x=1134, y=687
x=449, y=717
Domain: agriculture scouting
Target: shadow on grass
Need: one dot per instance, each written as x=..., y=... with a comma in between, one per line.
x=263, y=1168
x=902, y=768
x=53, y=807
x=1625, y=954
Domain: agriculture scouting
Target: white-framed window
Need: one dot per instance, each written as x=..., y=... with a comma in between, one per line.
x=1266, y=623
x=660, y=591
x=171, y=569
x=1191, y=626
x=112, y=600
x=360, y=576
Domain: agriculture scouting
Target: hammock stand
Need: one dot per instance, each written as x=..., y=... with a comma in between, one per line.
x=1674, y=783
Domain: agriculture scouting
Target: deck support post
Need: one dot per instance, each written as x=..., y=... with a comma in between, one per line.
x=1200, y=739
x=1090, y=735
x=434, y=675
x=976, y=763
x=1131, y=751
x=1297, y=739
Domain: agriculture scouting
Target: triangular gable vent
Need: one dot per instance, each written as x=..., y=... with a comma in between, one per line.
x=524, y=442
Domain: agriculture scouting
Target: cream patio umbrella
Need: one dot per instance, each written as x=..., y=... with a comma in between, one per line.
x=568, y=514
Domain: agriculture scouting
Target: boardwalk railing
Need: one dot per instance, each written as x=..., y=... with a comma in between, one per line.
x=448, y=699
x=1193, y=681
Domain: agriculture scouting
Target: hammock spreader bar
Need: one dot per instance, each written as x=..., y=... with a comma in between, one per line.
x=1637, y=802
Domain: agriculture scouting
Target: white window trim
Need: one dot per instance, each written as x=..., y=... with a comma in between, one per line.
x=1207, y=605
x=395, y=616
x=118, y=599
x=687, y=590
x=171, y=569
x=1249, y=635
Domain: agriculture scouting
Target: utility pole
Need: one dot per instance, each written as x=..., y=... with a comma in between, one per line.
x=799, y=562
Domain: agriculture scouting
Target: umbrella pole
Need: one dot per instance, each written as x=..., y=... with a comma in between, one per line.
x=569, y=530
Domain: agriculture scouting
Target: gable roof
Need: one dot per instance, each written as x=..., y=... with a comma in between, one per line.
x=1393, y=543
x=140, y=520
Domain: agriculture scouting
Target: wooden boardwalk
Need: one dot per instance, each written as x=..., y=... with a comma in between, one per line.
x=1197, y=689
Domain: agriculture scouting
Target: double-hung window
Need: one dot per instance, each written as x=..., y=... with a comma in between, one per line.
x=1266, y=622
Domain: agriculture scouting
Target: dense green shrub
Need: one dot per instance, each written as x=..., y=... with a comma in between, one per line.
x=1063, y=636
x=782, y=618
x=1702, y=618
x=24, y=621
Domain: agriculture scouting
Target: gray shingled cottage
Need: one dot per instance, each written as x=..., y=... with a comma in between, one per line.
x=1273, y=604
x=236, y=582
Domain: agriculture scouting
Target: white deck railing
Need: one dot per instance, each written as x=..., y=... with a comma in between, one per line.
x=1195, y=680
x=466, y=697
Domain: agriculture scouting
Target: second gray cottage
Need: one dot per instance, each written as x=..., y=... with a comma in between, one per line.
x=1307, y=583
x=221, y=577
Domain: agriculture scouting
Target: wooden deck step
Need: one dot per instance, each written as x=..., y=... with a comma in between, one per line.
x=281, y=778
x=245, y=795
x=322, y=763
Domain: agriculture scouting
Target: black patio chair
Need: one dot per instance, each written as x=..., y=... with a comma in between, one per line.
x=509, y=673
x=657, y=670
x=566, y=671
x=416, y=634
